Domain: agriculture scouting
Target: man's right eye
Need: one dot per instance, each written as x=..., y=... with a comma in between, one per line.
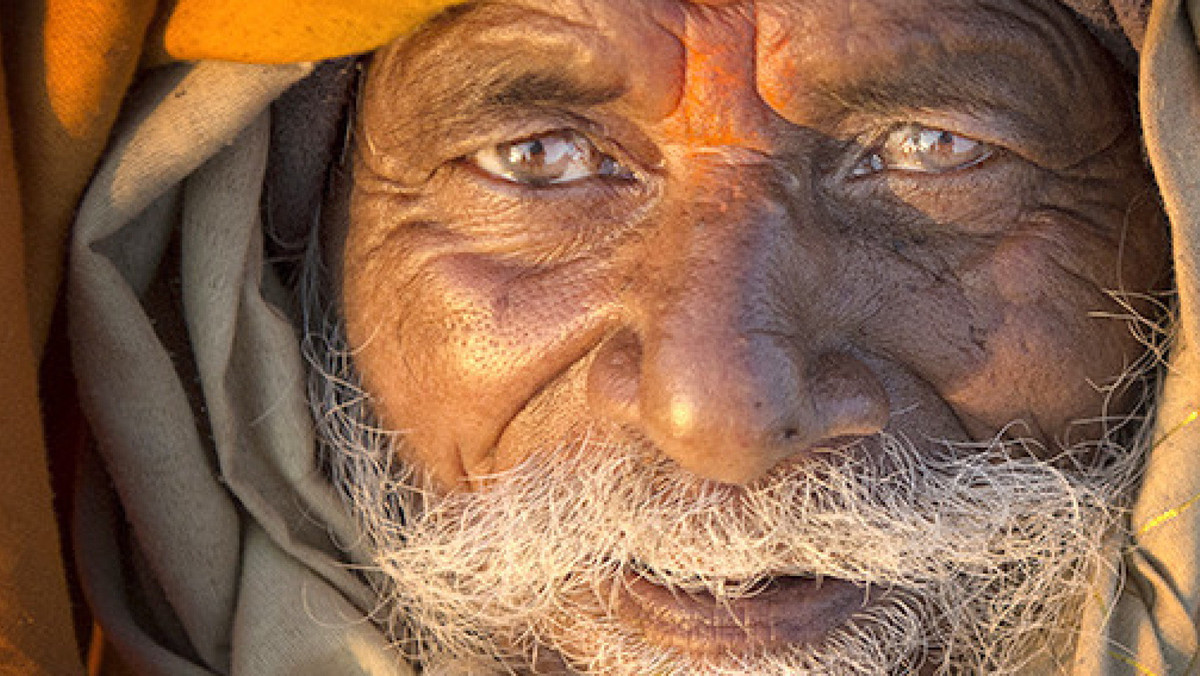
x=552, y=158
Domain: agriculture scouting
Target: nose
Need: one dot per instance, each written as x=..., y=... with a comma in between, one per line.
x=733, y=360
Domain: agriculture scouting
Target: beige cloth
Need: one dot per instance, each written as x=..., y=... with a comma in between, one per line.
x=231, y=563
x=1154, y=624
x=218, y=547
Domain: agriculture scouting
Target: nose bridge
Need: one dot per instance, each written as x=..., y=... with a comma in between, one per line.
x=728, y=250
x=722, y=370
x=730, y=365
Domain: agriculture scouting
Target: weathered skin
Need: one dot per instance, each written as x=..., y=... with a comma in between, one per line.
x=743, y=293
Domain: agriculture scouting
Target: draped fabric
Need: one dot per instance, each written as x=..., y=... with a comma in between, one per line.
x=207, y=540
x=67, y=65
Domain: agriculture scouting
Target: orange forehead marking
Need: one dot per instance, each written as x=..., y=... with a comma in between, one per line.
x=720, y=105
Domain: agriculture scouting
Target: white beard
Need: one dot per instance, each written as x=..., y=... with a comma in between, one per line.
x=984, y=554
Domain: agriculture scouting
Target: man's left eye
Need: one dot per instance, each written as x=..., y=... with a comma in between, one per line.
x=923, y=150
x=556, y=157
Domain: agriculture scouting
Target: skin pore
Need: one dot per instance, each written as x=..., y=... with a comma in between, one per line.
x=745, y=243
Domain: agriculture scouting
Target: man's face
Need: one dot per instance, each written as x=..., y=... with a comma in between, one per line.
x=743, y=243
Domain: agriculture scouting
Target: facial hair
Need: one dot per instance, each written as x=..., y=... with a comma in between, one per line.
x=975, y=558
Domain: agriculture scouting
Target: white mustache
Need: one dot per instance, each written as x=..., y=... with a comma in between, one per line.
x=921, y=520
x=984, y=549
x=942, y=527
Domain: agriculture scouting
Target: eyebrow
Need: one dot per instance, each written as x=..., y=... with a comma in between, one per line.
x=915, y=87
x=991, y=65
x=472, y=97
x=541, y=87
x=506, y=68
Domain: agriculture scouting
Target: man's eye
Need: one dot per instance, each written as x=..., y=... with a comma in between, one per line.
x=923, y=150
x=547, y=159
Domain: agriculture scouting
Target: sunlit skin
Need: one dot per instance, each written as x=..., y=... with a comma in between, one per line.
x=749, y=262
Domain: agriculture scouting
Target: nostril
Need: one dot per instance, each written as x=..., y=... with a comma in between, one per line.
x=791, y=434
x=613, y=378
x=849, y=400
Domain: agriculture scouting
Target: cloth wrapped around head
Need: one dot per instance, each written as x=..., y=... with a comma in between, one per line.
x=211, y=539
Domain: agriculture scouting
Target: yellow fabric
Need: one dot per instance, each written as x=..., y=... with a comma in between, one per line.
x=292, y=30
x=68, y=64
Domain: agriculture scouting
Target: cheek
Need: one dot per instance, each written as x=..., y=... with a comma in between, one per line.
x=1046, y=350
x=474, y=341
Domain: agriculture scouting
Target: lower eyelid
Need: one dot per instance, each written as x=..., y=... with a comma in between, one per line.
x=966, y=172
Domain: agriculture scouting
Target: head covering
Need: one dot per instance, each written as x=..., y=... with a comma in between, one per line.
x=209, y=541
x=67, y=66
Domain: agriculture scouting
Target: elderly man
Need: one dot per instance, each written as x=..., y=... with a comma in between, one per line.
x=730, y=338
x=645, y=337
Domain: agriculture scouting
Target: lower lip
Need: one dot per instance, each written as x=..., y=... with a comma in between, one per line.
x=790, y=612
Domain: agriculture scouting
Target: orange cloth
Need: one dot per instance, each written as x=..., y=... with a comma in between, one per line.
x=35, y=619
x=282, y=31
x=66, y=66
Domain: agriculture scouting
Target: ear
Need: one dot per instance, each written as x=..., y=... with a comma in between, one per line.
x=309, y=130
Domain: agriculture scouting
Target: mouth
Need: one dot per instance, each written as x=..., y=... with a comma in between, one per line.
x=784, y=611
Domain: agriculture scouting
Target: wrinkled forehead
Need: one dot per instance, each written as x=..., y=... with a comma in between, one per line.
x=810, y=61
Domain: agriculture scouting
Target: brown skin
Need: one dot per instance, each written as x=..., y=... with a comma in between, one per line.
x=741, y=292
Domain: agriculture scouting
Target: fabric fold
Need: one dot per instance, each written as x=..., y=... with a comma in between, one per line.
x=193, y=383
